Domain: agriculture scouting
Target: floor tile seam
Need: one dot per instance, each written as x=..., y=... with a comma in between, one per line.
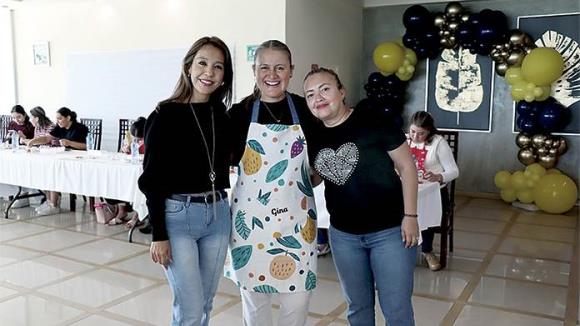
x=24, y=236
x=453, y=313
x=572, y=297
x=61, y=301
x=74, y=319
x=124, y=319
x=129, y=257
x=514, y=310
x=223, y=294
x=58, y=226
x=40, y=254
x=518, y=280
x=134, y=274
x=565, y=227
x=58, y=249
x=328, y=279
x=128, y=296
x=503, y=220
x=551, y=260
x=65, y=278
x=11, y=296
x=226, y=306
x=455, y=228
x=333, y=315
x=538, y=239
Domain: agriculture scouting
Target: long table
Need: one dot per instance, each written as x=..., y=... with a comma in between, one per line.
x=88, y=173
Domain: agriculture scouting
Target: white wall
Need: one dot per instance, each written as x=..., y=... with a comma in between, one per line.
x=7, y=75
x=93, y=26
x=327, y=33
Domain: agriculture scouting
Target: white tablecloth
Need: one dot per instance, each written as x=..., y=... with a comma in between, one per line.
x=428, y=206
x=93, y=173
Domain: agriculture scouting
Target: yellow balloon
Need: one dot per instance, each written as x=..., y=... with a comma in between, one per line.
x=513, y=75
x=545, y=93
x=526, y=196
x=519, y=91
x=553, y=171
x=530, y=183
x=388, y=57
x=555, y=193
x=536, y=168
x=502, y=179
x=411, y=56
x=508, y=195
x=543, y=66
x=518, y=180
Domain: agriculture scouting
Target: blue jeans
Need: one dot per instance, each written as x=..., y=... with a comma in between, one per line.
x=199, y=244
x=381, y=259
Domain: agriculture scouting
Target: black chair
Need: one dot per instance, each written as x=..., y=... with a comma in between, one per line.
x=96, y=129
x=124, y=126
x=446, y=228
x=4, y=122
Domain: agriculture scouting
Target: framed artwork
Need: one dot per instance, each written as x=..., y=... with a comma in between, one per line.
x=562, y=32
x=459, y=91
x=41, y=53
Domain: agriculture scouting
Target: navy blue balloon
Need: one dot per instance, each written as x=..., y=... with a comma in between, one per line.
x=417, y=17
x=483, y=48
x=528, y=125
x=410, y=40
x=393, y=83
x=487, y=33
x=550, y=116
x=398, y=121
x=528, y=109
x=430, y=39
x=474, y=19
x=464, y=34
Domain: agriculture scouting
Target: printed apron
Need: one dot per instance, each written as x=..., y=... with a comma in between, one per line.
x=273, y=243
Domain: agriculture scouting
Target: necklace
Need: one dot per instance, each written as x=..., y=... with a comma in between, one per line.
x=345, y=116
x=210, y=160
x=272, y=114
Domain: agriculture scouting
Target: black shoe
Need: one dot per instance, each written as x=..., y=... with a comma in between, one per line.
x=146, y=229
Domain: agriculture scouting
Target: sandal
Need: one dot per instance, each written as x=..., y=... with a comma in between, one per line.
x=104, y=213
x=133, y=222
x=118, y=220
x=323, y=249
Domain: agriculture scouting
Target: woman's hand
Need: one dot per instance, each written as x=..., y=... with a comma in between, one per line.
x=410, y=231
x=161, y=252
x=433, y=177
x=64, y=142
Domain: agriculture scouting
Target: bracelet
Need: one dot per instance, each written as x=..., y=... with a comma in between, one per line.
x=411, y=215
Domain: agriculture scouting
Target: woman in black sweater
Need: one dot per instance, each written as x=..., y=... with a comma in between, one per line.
x=185, y=174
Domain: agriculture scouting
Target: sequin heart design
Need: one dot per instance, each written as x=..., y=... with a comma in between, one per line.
x=337, y=166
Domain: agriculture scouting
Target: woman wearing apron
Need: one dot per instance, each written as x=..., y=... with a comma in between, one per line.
x=273, y=242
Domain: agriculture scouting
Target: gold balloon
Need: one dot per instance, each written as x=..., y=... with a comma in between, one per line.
x=453, y=25
x=453, y=9
x=444, y=33
x=538, y=140
x=553, y=152
x=439, y=20
x=547, y=161
x=548, y=142
x=523, y=140
x=526, y=156
x=516, y=57
x=517, y=37
x=465, y=17
x=447, y=42
x=556, y=142
x=562, y=146
x=501, y=68
x=542, y=151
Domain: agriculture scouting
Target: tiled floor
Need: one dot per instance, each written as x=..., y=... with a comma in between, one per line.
x=509, y=267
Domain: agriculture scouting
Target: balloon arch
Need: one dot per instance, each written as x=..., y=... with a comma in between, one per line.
x=529, y=70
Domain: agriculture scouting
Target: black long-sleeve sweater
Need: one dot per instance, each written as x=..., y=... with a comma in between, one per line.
x=176, y=158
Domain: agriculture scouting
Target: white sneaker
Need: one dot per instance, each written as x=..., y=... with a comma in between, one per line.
x=19, y=203
x=48, y=210
x=42, y=206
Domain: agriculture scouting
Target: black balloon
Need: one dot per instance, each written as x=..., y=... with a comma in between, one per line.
x=464, y=34
x=417, y=17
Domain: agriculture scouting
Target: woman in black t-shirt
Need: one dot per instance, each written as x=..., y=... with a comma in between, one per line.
x=373, y=212
x=68, y=133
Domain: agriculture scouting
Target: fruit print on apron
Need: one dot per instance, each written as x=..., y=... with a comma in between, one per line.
x=273, y=241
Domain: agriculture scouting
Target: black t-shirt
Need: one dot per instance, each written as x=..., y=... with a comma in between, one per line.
x=241, y=116
x=363, y=192
x=77, y=132
x=176, y=160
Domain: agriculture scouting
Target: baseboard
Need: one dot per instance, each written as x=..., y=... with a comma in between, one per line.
x=484, y=195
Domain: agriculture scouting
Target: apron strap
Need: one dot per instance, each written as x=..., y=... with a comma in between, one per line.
x=256, y=110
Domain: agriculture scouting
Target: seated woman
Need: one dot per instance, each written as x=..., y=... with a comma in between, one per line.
x=121, y=209
x=435, y=163
x=69, y=133
x=21, y=123
x=42, y=124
